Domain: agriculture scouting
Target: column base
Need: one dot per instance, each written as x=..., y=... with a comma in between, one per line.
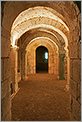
x=67, y=87
x=61, y=78
x=12, y=96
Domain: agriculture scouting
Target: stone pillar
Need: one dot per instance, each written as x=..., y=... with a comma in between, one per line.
x=56, y=57
x=26, y=64
x=65, y=66
x=19, y=64
x=75, y=80
x=5, y=75
x=51, y=62
x=5, y=89
x=14, y=68
x=19, y=60
x=34, y=61
x=57, y=65
x=68, y=73
x=23, y=52
x=61, y=66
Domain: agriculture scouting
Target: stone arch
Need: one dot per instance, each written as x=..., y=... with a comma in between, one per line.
x=56, y=24
x=43, y=42
x=71, y=15
x=43, y=33
x=42, y=56
x=35, y=21
x=39, y=11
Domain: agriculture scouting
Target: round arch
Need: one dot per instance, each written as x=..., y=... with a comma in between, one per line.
x=30, y=36
x=45, y=19
x=52, y=49
x=41, y=59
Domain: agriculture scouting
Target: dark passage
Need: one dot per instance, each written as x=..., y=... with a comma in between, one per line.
x=41, y=59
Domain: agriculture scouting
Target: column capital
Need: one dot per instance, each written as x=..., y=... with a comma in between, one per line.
x=62, y=55
x=15, y=48
x=61, y=49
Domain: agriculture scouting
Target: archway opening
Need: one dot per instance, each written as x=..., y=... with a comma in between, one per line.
x=41, y=59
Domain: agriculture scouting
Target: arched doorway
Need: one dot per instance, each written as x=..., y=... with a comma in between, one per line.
x=41, y=59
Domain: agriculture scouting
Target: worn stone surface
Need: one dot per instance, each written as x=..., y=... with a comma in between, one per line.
x=74, y=50
x=5, y=85
x=79, y=93
x=79, y=49
x=44, y=98
x=76, y=110
x=5, y=68
x=77, y=70
x=71, y=68
x=6, y=107
x=5, y=45
x=73, y=86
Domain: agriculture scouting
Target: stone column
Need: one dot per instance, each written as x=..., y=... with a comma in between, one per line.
x=49, y=63
x=5, y=89
x=61, y=66
x=16, y=69
x=65, y=67
x=57, y=65
x=23, y=52
x=26, y=64
x=5, y=75
x=19, y=60
x=68, y=72
x=34, y=61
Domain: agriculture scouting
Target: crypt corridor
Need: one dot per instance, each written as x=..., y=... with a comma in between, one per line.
x=40, y=61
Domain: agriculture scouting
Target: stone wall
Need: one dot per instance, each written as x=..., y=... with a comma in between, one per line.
x=69, y=13
x=75, y=67
x=5, y=76
x=75, y=80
